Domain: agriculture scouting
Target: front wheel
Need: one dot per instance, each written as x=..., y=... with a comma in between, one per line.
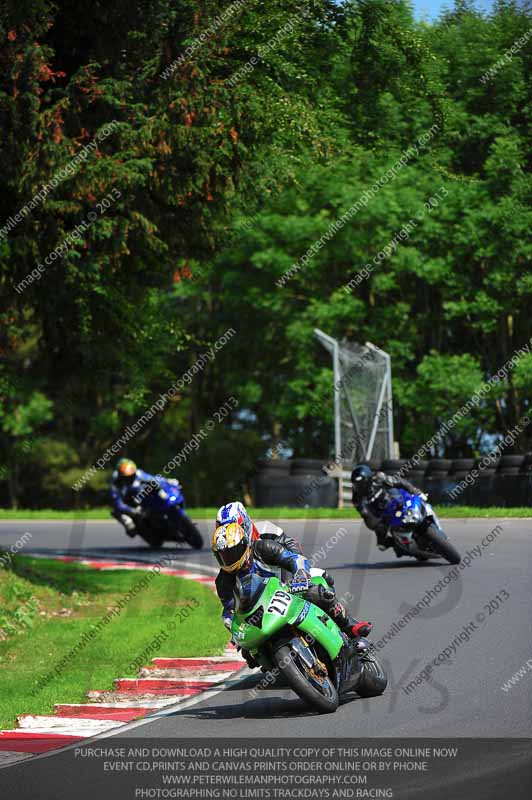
x=314, y=687
x=149, y=532
x=154, y=543
x=151, y=537
x=442, y=545
x=190, y=532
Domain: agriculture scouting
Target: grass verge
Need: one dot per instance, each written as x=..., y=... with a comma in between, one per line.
x=62, y=631
x=445, y=512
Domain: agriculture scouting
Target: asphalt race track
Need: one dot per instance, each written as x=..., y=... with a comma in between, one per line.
x=462, y=697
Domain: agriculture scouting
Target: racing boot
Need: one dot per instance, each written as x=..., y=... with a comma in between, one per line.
x=383, y=543
x=352, y=628
x=355, y=629
x=327, y=600
x=128, y=524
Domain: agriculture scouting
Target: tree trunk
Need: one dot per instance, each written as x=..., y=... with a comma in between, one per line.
x=13, y=482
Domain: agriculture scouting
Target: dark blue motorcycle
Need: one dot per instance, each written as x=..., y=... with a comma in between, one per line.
x=415, y=528
x=163, y=517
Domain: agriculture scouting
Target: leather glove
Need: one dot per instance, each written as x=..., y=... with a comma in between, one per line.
x=300, y=582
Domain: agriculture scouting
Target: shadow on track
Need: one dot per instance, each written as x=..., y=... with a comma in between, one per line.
x=399, y=564
x=278, y=702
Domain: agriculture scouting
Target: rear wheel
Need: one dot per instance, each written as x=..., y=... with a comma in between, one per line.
x=312, y=684
x=190, y=532
x=374, y=679
x=442, y=545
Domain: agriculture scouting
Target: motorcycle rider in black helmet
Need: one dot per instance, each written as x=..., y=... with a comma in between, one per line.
x=370, y=498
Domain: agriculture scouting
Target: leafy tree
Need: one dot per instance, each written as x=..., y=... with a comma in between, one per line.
x=221, y=141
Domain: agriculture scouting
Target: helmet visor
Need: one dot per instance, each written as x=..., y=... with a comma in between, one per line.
x=230, y=556
x=360, y=486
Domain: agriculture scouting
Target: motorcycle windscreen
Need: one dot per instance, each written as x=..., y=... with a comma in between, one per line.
x=248, y=590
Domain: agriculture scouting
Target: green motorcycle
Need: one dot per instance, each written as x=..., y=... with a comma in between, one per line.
x=289, y=635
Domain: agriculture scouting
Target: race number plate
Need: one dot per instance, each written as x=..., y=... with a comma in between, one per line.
x=279, y=603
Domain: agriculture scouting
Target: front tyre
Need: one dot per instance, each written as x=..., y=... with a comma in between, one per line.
x=154, y=542
x=154, y=539
x=442, y=545
x=190, y=532
x=149, y=532
x=317, y=690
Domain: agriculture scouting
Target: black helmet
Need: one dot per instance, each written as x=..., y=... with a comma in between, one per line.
x=361, y=480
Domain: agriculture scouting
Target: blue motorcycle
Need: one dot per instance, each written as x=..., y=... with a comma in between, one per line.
x=163, y=517
x=415, y=528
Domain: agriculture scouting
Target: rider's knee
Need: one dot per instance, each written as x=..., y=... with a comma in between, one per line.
x=321, y=596
x=327, y=597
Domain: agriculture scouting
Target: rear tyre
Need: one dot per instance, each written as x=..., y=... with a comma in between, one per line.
x=374, y=679
x=441, y=545
x=190, y=532
x=323, y=698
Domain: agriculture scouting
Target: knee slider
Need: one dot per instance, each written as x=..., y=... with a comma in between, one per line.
x=328, y=596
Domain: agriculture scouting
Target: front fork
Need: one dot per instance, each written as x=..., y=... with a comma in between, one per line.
x=430, y=519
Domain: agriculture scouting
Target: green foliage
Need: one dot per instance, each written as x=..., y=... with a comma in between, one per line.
x=26, y=417
x=444, y=384
x=219, y=177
